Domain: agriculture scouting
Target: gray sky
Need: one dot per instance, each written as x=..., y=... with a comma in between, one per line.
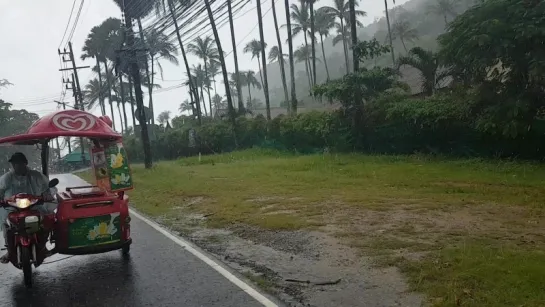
x=31, y=32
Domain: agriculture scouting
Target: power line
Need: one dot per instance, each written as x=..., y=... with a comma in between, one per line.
x=68, y=23
x=76, y=21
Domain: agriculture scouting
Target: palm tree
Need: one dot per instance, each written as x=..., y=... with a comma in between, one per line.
x=312, y=31
x=389, y=30
x=427, y=62
x=324, y=23
x=201, y=82
x=251, y=81
x=290, y=53
x=93, y=48
x=353, y=29
x=254, y=47
x=275, y=54
x=301, y=20
x=163, y=118
x=263, y=60
x=281, y=55
x=233, y=80
x=92, y=93
x=185, y=106
x=135, y=9
x=304, y=54
x=159, y=47
x=206, y=50
x=224, y=68
x=193, y=91
x=444, y=8
x=213, y=71
x=238, y=85
x=402, y=30
x=217, y=103
x=341, y=10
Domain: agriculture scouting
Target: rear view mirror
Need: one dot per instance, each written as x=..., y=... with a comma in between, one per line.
x=53, y=182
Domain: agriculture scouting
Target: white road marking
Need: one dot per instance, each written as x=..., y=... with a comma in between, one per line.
x=210, y=262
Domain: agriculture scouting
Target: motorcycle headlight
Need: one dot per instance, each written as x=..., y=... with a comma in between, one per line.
x=22, y=203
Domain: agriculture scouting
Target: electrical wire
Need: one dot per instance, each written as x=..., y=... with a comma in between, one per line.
x=68, y=23
x=76, y=20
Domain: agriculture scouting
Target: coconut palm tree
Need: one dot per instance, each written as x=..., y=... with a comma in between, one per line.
x=185, y=106
x=254, y=47
x=300, y=18
x=445, y=8
x=213, y=71
x=304, y=54
x=402, y=30
x=389, y=31
x=275, y=54
x=93, y=47
x=324, y=23
x=233, y=79
x=290, y=53
x=353, y=29
x=251, y=81
x=92, y=93
x=281, y=61
x=428, y=64
x=341, y=10
x=263, y=60
x=159, y=47
x=163, y=118
x=135, y=9
x=201, y=82
x=207, y=51
x=313, y=41
x=238, y=85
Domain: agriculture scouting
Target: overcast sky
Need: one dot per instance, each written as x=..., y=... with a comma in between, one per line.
x=31, y=31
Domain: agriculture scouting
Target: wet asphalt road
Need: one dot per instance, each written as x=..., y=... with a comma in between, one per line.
x=158, y=273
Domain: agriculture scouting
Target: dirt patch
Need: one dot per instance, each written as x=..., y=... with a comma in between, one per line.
x=302, y=268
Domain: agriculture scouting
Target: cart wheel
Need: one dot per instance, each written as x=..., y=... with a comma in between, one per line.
x=27, y=266
x=126, y=250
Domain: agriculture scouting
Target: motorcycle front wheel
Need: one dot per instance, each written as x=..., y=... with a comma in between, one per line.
x=26, y=263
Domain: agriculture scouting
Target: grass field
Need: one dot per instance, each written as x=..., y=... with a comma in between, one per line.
x=465, y=232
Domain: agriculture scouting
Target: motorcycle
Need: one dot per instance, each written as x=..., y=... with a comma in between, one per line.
x=27, y=231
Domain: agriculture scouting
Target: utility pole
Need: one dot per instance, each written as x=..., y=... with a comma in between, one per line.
x=76, y=88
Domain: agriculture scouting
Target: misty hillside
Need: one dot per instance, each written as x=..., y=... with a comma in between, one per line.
x=427, y=25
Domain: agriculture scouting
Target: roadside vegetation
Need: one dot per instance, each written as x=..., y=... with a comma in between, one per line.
x=465, y=231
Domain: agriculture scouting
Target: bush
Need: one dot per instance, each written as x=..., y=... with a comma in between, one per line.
x=391, y=124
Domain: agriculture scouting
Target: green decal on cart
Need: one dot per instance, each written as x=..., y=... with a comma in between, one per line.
x=94, y=230
x=118, y=168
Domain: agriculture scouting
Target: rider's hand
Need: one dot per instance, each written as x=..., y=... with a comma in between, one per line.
x=48, y=197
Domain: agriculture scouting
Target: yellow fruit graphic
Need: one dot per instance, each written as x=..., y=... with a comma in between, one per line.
x=117, y=160
x=103, y=229
x=92, y=235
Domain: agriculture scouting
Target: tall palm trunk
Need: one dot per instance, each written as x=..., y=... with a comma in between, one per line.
x=150, y=88
x=122, y=93
x=264, y=60
x=323, y=55
x=120, y=117
x=235, y=57
x=249, y=94
x=281, y=58
x=192, y=86
x=344, y=47
x=313, y=42
x=292, y=66
x=260, y=71
x=203, y=102
x=132, y=103
x=208, y=88
x=389, y=32
x=100, y=92
x=354, y=33
x=224, y=71
x=307, y=65
x=306, y=46
x=109, y=92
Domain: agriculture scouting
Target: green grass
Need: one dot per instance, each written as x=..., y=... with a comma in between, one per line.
x=477, y=225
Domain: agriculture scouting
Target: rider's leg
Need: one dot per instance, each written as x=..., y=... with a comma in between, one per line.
x=3, y=217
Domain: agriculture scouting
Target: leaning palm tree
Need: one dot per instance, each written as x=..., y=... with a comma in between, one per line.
x=402, y=30
x=238, y=85
x=233, y=81
x=135, y=9
x=427, y=63
x=312, y=32
x=207, y=51
x=324, y=23
x=213, y=71
x=343, y=35
x=341, y=10
x=275, y=54
x=92, y=93
x=290, y=53
x=300, y=18
x=281, y=61
x=232, y=115
x=354, y=35
x=254, y=47
x=445, y=8
x=159, y=47
x=202, y=82
x=185, y=106
x=304, y=54
x=263, y=60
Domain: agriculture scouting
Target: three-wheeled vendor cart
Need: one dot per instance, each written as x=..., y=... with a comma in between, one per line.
x=88, y=219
